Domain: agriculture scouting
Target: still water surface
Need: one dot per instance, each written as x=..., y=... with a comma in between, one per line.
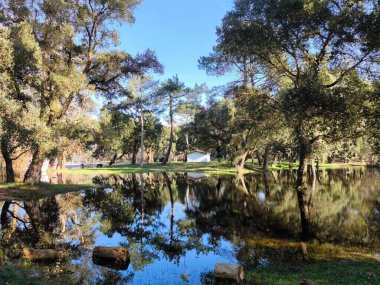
x=177, y=226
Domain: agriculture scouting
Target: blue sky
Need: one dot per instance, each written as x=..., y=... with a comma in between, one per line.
x=180, y=31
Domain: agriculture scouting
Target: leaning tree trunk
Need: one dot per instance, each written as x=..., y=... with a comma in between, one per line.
x=33, y=174
x=113, y=160
x=8, y=160
x=167, y=155
x=241, y=162
x=33, y=210
x=266, y=158
x=302, y=191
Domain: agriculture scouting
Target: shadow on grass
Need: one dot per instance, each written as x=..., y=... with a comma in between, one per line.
x=21, y=191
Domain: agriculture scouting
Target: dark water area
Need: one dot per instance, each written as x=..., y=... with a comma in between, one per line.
x=177, y=226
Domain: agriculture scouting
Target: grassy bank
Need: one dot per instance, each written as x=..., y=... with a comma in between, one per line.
x=22, y=191
x=206, y=168
x=324, y=264
x=214, y=167
x=340, y=272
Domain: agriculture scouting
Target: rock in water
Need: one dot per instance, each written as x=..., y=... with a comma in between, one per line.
x=229, y=271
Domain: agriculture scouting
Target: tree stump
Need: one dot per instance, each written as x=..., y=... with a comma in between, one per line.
x=229, y=271
x=43, y=254
x=114, y=257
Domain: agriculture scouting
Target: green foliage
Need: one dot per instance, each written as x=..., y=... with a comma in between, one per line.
x=58, y=56
x=113, y=139
x=312, y=65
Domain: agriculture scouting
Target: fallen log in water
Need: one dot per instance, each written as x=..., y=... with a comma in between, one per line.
x=43, y=254
x=114, y=257
x=229, y=271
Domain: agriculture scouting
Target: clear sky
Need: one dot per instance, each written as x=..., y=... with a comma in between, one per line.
x=180, y=31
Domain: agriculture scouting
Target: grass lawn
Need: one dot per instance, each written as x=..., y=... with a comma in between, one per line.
x=326, y=264
x=22, y=191
x=202, y=167
x=214, y=167
x=342, y=272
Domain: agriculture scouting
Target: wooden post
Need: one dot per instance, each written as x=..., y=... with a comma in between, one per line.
x=42, y=254
x=114, y=257
x=229, y=271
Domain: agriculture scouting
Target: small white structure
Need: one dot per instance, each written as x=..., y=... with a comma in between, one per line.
x=198, y=156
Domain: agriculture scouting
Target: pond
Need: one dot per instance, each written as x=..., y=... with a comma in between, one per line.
x=177, y=226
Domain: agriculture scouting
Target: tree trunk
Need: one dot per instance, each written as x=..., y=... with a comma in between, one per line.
x=187, y=145
x=134, y=154
x=142, y=188
x=266, y=158
x=241, y=162
x=167, y=155
x=168, y=184
x=10, y=175
x=290, y=161
x=113, y=160
x=302, y=189
x=32, y=209
x=219, y=153
x=312, y=168
x=259, y=160
x=5, y=223
x=142, y=136
x=274, y=162
x=151, y=155
x=266, y=183
x=33, y=174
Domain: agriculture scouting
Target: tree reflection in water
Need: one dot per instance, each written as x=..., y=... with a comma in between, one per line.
x=169, y=216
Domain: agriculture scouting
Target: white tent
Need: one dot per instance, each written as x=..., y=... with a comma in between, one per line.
x=198, y=156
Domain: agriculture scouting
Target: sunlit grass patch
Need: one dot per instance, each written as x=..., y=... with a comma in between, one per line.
x=201, y=167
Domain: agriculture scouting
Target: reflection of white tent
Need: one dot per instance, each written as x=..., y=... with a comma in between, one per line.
x=198, y=156
x=196, y=176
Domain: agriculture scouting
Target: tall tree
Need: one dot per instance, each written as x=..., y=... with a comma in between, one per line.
x=139, y=101
x=313, y=47
x=74, y=38
x=173, y=95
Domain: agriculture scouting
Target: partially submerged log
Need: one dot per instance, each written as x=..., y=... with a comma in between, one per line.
x=43, y=254
x=229, y=271
x=114, y=257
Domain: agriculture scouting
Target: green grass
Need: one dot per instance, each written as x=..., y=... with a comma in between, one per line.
x=22, y=191
x=342, y=272
x=214, y=167
x=202, y=167
x=327, y=264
